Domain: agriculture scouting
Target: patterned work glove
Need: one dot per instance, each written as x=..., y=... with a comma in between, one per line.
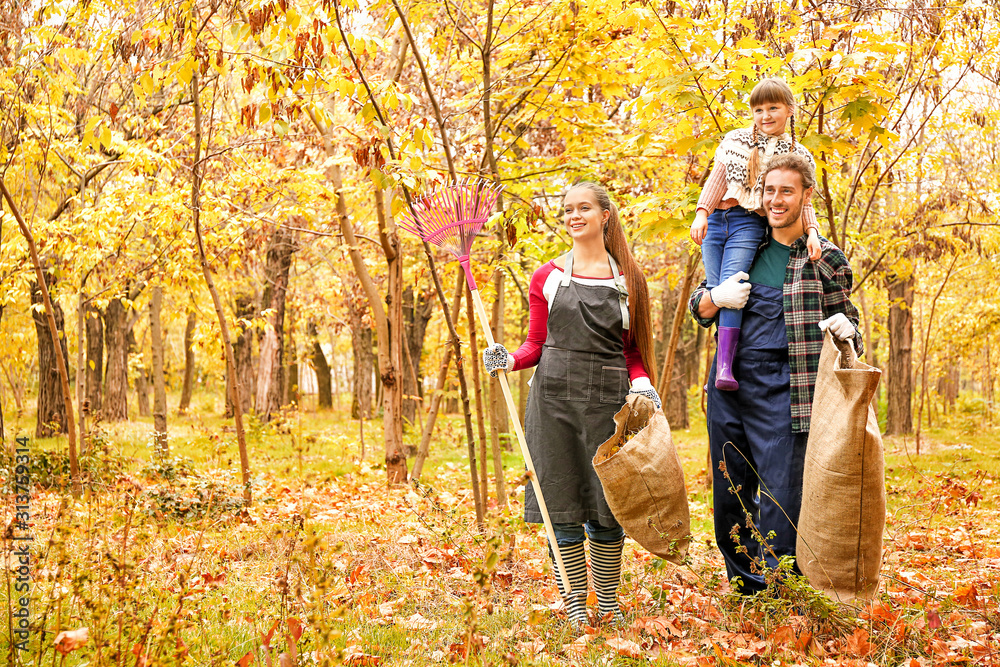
x=643, y=387
x=496, y=357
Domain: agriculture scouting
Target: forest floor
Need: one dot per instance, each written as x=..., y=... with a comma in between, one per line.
x=156, y=564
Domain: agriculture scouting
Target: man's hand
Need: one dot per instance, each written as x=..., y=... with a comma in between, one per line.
x=700, y=226
x=731, y=293
x=839, y=326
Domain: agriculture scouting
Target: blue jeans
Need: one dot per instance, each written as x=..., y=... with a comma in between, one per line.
x=568, y=534
x=729, y=246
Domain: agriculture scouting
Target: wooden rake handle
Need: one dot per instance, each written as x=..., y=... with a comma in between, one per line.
x=512, y=410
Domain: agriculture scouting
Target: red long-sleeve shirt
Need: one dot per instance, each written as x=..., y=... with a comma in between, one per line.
x=540, y=293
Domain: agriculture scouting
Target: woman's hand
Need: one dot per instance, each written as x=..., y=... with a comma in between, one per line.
x=496, y=358
x=700, y=226
x=643, y=387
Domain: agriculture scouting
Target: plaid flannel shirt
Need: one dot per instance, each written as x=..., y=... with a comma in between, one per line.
x=813, y=291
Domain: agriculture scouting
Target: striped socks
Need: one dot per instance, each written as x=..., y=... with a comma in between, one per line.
x=575, y=559
x=606, y=569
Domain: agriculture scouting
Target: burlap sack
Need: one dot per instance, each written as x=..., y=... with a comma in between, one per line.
x=839, y=545
x=643, y=480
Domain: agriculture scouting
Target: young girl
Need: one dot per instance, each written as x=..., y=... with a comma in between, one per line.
x=590, y=335
x=730, y=222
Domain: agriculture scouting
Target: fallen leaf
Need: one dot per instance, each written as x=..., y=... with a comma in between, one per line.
x=70, y=640
x=358, y=659
x=626, y=647
x=418, y=622
x=857, y=644
x=245, y=660
x=933, y=620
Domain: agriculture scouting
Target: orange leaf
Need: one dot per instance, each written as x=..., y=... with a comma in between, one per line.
x=70, y=640
x=858, y=644
x=294, y=628
x=245, y=660
x=625, y=647
x=266, y=639
x=362, y=660
x=782, y=635
x=933, y=620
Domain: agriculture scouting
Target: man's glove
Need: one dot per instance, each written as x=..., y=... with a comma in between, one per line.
x=839, y=326
x=643, y=387
x=731, y=293
x=496, y=357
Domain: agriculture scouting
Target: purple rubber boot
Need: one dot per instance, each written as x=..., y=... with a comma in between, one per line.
x=728, y=339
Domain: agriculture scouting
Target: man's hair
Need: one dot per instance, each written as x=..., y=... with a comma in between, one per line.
x=792, y=162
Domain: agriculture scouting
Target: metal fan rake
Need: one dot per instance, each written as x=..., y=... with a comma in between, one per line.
x=451, y=218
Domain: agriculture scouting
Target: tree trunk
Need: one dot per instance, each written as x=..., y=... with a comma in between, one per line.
x=416, y=314
x=324, y=384
x=188, y=386
x=292, y=368
x=442, y=383
x=498, y=405
x=51, y=416
x=478, y=393
x=115, y=408
x=142, y=377
x=243, y=354
x=899, y=384
x=270, y=371
x=196, y=180
x=390, y=348
x=95, y=359
x=361, y=344
x=159, y=382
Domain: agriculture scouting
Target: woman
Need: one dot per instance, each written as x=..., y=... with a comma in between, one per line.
x=589, y=333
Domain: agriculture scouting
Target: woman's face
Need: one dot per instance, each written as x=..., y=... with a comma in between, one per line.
x=582, y=215
x=770, y=117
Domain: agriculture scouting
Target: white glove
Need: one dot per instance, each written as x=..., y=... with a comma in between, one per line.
x=496, y=357
x=731, y=293
x=644, y=387
x=839, y=326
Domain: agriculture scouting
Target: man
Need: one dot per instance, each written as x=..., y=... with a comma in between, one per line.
x=757, y=434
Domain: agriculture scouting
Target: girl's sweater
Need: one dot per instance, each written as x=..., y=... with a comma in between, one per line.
x=542, y=290
x=726, y=187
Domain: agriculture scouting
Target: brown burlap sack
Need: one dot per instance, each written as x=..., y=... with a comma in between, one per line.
x=839, y=545
x=643, y=480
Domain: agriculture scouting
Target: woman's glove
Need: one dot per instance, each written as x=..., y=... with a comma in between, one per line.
x=839, y=326
x=731, y=293
x=496, y=357
x=643, y=387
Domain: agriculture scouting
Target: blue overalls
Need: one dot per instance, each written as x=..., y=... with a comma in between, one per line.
x=750, y=430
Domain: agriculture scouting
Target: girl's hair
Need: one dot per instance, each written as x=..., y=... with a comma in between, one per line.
x=767, y=91
x=641, y=329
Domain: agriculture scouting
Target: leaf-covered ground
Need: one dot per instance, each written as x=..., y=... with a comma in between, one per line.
x=154, y=564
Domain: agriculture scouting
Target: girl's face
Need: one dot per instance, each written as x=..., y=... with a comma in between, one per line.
x=582, y=215
x=770, y=117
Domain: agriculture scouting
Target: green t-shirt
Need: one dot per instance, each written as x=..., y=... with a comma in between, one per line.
x=769, y=267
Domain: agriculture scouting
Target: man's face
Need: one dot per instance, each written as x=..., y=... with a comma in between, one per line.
x=784, y=197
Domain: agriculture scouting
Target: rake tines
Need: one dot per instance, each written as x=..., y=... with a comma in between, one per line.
x=451, y=217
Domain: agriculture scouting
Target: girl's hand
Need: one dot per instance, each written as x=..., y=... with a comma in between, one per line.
x=813, y=245
x=700, y=226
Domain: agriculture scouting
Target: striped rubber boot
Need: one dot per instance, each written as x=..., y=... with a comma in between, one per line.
x=575, y=559
x=606, y=568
